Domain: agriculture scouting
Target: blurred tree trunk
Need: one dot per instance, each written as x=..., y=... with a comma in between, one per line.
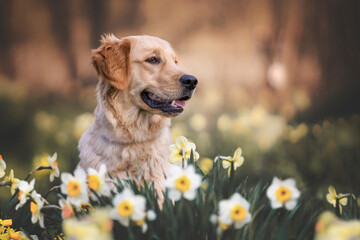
x=6, y=61
x=60, y=21
x=332, y=29
x=97, y=18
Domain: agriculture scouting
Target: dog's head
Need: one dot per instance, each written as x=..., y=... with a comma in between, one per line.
x=145, y=68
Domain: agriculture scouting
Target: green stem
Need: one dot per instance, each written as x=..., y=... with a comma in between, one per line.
x=5, y=183
x=37, y=169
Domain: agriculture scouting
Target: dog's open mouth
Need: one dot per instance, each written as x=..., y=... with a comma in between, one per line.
x=175, y=106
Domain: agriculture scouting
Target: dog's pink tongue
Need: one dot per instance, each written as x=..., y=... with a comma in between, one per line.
x=180, y=103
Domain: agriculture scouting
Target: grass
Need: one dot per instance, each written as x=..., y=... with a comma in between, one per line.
x=187, y=219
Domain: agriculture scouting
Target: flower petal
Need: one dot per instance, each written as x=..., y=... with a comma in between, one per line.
x=174, y=195
x=343, y=201
x=290, y=204
x=190, y=194
x=275, y=204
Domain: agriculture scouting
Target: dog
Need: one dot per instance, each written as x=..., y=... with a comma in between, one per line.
x=140, y=88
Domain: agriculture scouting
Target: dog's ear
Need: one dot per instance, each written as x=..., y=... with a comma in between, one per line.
x=111, y=60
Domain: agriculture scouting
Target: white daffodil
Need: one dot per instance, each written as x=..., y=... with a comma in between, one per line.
x=128, y=206
x=182, y=149
x=54, y=167
x=24, y=192
x=182, y=182
x=2, y=167
x=96, y=181
x=150, y=215
x=237, y=159
x=35, y=209
x=75, y=187
x=14, y=182
x=283, y=193
x=233, y=211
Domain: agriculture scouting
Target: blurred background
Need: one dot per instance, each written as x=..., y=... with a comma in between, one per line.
x=278, y=78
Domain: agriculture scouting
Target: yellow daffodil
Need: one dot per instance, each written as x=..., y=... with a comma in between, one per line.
x=6, y=222
x=66, y=208
x=75, y=187
x=182, y=182
x=238, y=160
x=96, y=181
x=14, y=182
x=35, y=209
x=332, y=196
x=232, y=212
x=97, y=225
x=24, y=192
x=283, y=193
x=12, y=234
x=128, y=206
x=54, y=167
x=2, y=167
x=91, y=227
x=329, y=227
x=182, y=150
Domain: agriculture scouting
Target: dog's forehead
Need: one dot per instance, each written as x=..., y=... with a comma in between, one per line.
x=149, y=44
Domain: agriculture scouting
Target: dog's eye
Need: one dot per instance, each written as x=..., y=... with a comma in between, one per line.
x=153, y=60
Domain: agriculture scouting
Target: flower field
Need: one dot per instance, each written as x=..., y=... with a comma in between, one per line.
x=200, y=202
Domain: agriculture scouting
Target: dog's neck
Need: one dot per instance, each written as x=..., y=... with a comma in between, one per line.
x=125, y=123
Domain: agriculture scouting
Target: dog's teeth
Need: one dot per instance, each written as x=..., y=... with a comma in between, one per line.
x=173, y=103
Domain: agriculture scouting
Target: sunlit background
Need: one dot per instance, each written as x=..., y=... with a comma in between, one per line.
x=278, y=78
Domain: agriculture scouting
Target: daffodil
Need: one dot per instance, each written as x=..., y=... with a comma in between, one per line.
x=54, y=167
x=232, y=212
x=14, y=182
x=283, y=193
x=66, y=208
x=96, y=181
x=329, y=227
x=128, y=206
x=237, y=160
x=12, y=234
x=2, y=167
x=6, y=222
x=24, y=192
x=75, y=187
x=331, y=197
x=182, y=150
x=91, y=227
x=182, y=182
x=35, y=208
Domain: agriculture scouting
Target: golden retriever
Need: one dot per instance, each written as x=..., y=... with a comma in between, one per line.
x=140, y=87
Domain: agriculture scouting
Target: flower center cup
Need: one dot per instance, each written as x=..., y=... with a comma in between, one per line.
x=182, y=183
x=94, y=182
x=33, y=207
x=73, y=188
x=139, y=222
x=223, y=226
x=238, y=213
x=125, y=209
x=283, y=194
x=67, y=211
x=20, y=193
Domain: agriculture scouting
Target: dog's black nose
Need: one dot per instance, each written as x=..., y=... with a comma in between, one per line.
x=188, y=81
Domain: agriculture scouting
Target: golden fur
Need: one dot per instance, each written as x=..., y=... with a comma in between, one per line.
x=127, y=134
